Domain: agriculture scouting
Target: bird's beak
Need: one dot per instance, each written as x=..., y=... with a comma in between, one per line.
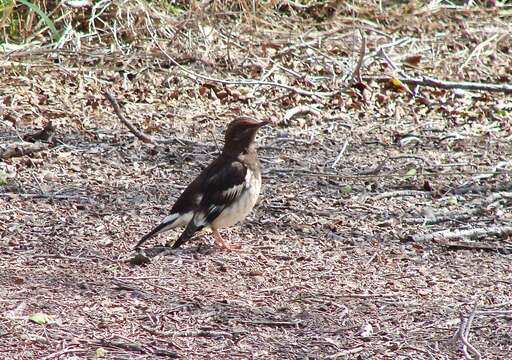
x=263, y=123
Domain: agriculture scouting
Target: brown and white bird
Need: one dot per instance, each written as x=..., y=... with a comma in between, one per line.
x=223, y=193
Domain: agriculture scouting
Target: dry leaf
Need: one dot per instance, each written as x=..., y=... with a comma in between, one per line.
x=413, y=60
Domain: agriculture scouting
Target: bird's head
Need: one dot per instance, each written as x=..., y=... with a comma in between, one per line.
x=241, y=133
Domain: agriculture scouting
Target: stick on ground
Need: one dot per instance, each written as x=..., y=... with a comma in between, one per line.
x=129, y=125
x=356, y=74
x=467, y=233
x=443, y=84
x=8, y=151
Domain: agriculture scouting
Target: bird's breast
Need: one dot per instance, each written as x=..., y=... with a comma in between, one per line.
x=242, y=206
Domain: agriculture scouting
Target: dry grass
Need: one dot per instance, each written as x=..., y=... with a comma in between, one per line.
x=326, y=270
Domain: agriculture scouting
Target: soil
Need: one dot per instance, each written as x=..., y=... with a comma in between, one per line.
x=336, y=261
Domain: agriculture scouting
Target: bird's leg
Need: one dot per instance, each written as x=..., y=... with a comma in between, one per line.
x=219, y=241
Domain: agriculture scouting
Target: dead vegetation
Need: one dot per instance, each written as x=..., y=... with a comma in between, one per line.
x=384, y=226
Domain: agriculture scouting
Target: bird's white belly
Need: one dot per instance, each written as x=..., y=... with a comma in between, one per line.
x=241, y=207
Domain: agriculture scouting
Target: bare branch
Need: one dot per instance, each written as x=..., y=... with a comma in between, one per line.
x=468, y=233
x=400, y=193
x=8, y=151
x=505, y=250
x=129, y=125
x=443, y=84
x=463, y=333
x=298, y=110
x=356, y=74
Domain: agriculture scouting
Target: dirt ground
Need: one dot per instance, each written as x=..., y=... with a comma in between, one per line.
x=336, y=258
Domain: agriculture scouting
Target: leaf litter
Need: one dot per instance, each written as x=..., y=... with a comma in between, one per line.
x=337, y=260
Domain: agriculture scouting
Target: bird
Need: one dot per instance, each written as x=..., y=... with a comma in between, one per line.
x=223, y=194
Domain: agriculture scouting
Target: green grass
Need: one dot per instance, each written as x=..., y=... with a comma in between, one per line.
x=17, y=19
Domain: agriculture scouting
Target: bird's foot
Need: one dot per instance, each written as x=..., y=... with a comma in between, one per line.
x=219, y=241
x=228, y=247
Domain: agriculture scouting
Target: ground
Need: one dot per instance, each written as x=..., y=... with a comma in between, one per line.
x=336, y=258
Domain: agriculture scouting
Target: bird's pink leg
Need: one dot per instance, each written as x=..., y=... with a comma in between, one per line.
x=219, y=241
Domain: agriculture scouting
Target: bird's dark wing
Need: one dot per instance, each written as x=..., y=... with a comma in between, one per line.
x=171, y=221
x=223, y=183
x=182, y=210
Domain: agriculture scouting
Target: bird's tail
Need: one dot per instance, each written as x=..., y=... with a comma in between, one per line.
x=166, y=224
x=189, y=231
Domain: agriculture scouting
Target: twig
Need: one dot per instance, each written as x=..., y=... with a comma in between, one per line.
x=476, y=51
x=58, y=354
x=268, y=322
x=356, y=74
x=375, y=170
x=505, y=250
x=8, y=151
x=494, y=312
x=359, y=296
x=374, y=173
x=382, y=54
x=46, y=196
x=469, y=233
x=463, y=333
x=318, y=38
x=299, y=110
x=343, y=353
x=214, y=141
x=123, y=285
x=16, y=210
x=371, y=260
x=338, y=158
x=249, y=82
x=205, y=333
x=130, y=346
x=443, y=84
x=119, y=113
x=437, y=219
x=399, y=193
x=264, y=77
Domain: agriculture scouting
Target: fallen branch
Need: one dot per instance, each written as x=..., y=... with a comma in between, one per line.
x=443, y=84
x=463, y=333
x=356, y=74
x=505, y=250
x=60, y=353
x=498, y=231
x=494, y=312
x=299, y=110
x=437, y=219
x=359, y=296
x=119, y=113
x=52, y=196
x=130, y=346
x=8, y=151
x=205, y=333
x=265, y=322
x=399, y=193
x=123, y=285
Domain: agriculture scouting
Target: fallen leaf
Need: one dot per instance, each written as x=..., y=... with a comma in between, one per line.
x=413, y=60
x=410, y=173
x=39, y=318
